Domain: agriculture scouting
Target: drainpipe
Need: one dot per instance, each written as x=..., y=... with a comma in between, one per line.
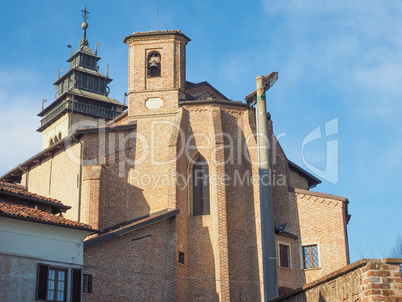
x=266, y=202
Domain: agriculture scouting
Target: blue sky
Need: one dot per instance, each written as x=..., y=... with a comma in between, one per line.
x=336, y=60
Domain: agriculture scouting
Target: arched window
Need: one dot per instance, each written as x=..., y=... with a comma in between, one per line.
x=51, y=142
x=59, y=136
x=154, y=64
x=55, y=139
x=201, y=201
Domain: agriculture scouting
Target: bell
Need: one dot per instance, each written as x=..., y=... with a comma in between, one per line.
x=154, y=65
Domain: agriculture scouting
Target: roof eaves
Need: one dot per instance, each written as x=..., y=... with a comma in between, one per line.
x=157, y=33
x=48, y=222
x=312, y=180
x=59, y=206
x=208, y=85
x=287, y=234
x=107, y=128
x=43, y=153
x=203, y=102
x=132, y=227
x=319, y=194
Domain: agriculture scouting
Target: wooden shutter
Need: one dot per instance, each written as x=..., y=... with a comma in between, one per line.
x=41, y=282
x=76, y=285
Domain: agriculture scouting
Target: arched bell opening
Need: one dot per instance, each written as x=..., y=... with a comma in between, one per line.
x=154, y=64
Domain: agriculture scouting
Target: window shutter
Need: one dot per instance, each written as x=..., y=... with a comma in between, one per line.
x=76, y=285
x=41, y=287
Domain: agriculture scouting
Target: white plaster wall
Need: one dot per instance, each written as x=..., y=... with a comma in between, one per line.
x=60, y=126
x=41, y=241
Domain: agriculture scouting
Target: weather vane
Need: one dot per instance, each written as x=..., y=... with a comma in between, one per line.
x=85, y=14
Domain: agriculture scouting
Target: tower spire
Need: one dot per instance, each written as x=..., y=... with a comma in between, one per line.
x=84, y=25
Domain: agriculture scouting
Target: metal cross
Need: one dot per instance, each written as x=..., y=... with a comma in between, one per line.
x=85, y=14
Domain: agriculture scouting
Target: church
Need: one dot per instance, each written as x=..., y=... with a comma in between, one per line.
x=170, y=183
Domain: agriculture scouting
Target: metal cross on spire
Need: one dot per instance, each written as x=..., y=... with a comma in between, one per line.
x=85, y=14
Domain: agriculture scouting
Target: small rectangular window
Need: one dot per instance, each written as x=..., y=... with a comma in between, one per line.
x=87, y=284
x=181, y=257
x=102, y=85
x=96, y=85
x=84, y=81
x=310, y=256
x=90, y=83
x=284, y=256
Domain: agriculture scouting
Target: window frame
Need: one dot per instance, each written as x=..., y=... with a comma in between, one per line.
x=181, y=258
x=289, y=255
x=87, y=283
x=70, y=291
x=302, y=256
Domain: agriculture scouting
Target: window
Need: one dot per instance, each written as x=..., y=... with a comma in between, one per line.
x=52, y=284
x=154, y=64
x=102, y=85
x=84, y=81
x=96, y=85
x=181, y=257
x=90, y=83
x=200, y=187
x=284, y=255
x=87, y=284
x=310, y=256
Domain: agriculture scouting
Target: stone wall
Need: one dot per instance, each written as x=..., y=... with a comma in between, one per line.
x=365, y=280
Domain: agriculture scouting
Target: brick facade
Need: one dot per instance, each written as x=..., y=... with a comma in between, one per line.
x=142, y=163
x=365, y=280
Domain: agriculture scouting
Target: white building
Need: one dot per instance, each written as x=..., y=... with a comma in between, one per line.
x=41, y=252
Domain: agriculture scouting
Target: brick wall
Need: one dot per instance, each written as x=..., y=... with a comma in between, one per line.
x=365, y=280
x=133, y=267
x=57, y=175
x=151, y=171
x=322, y=222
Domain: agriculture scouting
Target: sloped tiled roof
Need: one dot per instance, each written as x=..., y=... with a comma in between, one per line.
x=22, y=192
x=19, y=211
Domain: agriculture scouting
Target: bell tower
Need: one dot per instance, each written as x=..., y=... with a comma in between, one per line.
x=82, y=95
x=157, y=71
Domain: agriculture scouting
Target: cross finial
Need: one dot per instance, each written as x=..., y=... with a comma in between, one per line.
x=85, y=14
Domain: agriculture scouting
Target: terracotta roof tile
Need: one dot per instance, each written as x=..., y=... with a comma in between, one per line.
x=21, y=191
x=23, y=212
